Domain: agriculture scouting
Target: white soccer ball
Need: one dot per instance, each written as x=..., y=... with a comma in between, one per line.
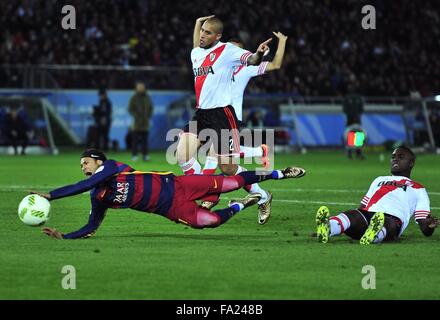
x=34, y=210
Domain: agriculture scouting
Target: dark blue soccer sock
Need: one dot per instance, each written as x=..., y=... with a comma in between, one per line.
x=228, y=213
x=251, y=177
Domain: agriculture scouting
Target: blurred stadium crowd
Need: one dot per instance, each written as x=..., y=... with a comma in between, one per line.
x=328, y=53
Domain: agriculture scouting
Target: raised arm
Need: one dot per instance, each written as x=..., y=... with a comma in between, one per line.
x=255, y=58
x=197, y=27
x=275, y=64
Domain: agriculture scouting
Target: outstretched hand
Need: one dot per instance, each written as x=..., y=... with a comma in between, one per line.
x=432, y=221
x=262, y=48
x=280, y=36
x=44, y=195
x=53, y=233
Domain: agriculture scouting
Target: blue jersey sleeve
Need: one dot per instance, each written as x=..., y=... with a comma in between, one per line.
x=97, y=214
x=107, y=170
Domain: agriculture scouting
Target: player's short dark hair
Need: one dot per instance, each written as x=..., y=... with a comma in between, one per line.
x=216, y=23
x=407, y=149
x=95, y=154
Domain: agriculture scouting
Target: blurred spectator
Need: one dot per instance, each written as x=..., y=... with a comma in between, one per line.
x=329, y=48
x=17, y=129
x=434, y=118
x=353, y=106
x=141, y=109
x=255, y=119
x=102, y=113
x=419, y=129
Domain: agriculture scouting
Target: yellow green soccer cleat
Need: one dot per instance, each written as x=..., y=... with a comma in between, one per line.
x=323, y=224
x=376, y=224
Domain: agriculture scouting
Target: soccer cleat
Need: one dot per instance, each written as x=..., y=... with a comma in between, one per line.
x=248, y=201
x=209, y=204
x=293, y=172
x=265, y=157
x=323, y=224
x=265, y=209
x=376, y=224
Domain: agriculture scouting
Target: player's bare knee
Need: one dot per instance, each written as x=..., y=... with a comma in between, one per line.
x=186, y=148
x=358, y=224
x=392, y=229
x=228, y=169
x=207, y=219
x=182, y=156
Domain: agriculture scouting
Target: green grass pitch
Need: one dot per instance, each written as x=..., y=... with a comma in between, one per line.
x=137, y=255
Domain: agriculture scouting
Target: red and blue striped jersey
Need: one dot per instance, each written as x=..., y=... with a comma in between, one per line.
x=117, y=185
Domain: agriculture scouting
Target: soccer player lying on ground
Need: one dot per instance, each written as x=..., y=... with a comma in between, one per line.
x=116, y=185
x=385, y=210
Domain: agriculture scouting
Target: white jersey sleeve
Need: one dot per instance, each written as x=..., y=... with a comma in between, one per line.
x=254, y=71
x=237, y=55
x=370, y=192
x=422, y=207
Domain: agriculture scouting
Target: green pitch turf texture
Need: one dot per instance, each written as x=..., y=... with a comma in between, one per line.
x=137, y=255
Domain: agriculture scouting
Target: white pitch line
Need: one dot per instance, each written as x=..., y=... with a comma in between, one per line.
x=21, y=187
x=335, y=191
x=323, y=202
x=17, y=187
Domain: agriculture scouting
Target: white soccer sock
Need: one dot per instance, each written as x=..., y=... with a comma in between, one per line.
x=240, y=205
x=254, y=188
x=192, y=166
x=211, y=164
x=240, y=169
x=338, y=224
x=280, y=174
x=250, y=152
x=380, y=236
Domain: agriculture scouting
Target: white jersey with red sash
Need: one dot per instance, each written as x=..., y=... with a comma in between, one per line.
x=398, y=196
x=213, y=69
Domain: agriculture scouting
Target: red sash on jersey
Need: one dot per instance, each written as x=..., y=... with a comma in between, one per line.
x=200, y=80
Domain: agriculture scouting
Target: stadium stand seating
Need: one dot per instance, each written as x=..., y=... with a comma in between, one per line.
x=328, y=52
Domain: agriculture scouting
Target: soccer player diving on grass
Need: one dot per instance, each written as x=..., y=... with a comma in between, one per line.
x=116, y=185
x=385, y=210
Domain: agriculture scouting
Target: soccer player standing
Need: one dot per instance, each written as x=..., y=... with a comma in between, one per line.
x=213, y=65
x=241, y=77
